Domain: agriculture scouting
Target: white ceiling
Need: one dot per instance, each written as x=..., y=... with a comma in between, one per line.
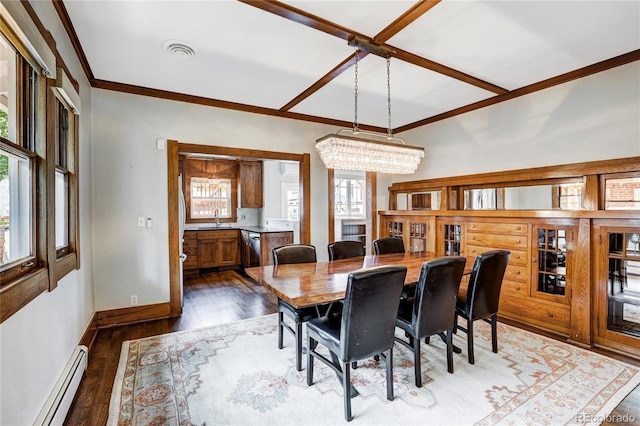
x=250, y=56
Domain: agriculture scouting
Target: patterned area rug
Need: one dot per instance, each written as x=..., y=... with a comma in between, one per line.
x=235, y=374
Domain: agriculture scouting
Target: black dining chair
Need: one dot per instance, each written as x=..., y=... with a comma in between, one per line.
x=388, y=245
x=345, y=249
x=365, y=327
x=289, y=254
x=432, y=310
x=480, y=300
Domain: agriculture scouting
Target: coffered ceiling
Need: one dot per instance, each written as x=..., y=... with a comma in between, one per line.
x=293, y=58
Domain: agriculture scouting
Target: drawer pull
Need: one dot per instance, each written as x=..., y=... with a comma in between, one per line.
x=517, y=256
x=473, y=226
x=517, y=272
x=518, y=228
x=518, y=288
x=518, y=241
x=550, y=314
x=534, y=260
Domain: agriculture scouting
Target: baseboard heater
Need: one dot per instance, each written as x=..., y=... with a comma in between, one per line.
x=55, y=409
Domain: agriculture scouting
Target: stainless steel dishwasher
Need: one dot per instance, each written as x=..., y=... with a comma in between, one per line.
x=254, y=242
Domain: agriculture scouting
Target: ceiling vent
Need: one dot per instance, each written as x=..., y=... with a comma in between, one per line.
x=179, y=48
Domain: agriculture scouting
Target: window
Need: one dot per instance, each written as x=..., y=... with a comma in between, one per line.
x=15, y=207
x=349, y=196
x=210, y=198
x=62, y=182
x=21, y=91
x=291, y=200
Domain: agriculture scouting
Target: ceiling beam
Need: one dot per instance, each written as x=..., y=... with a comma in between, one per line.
x=200, y=100
x=617, y=61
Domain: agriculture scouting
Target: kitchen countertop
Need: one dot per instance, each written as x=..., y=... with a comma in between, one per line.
x=213, y=227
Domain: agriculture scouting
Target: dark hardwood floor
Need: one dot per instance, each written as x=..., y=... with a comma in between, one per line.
x=209, y=299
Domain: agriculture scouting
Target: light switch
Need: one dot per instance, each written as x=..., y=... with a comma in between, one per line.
x=149, y=223
x=161, y=143
x=142, y=221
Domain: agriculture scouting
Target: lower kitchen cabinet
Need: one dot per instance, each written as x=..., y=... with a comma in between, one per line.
x=218, y=248
x=190, y=248
x=271, y=240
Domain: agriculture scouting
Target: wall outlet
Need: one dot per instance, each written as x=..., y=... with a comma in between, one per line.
x=149, y=222
x=134, y=300
x=243, y=217
x=142, y=221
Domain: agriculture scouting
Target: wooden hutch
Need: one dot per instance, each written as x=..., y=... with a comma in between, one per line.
x=575, y=258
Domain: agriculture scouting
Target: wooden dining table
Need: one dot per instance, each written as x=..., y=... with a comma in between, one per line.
x=311, y=284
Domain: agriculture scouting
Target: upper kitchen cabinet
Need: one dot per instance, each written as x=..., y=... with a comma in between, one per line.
x=250, y=184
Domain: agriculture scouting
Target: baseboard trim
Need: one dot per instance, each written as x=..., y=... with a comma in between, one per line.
x=90, y=333
x=132, y=315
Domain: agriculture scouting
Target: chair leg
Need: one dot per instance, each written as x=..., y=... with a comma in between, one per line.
x=280, y=327
x=472, y=359
x=389, y=359
x=311, y=346
x=416, y=362
x=455, y=323
x=494, y=333
x=298, y=346
x=427, y=340
x=450, y=350
x=346, y=384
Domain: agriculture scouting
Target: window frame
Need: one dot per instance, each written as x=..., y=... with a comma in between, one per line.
x=66, y=258
x=23, y=281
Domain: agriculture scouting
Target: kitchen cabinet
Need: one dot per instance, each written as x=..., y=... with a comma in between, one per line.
x=271, y=240
x=190, y=248
x=218, y=248
x=251, y=184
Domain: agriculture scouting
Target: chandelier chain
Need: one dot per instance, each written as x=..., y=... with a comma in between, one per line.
x=389, y=93
x=355, y=113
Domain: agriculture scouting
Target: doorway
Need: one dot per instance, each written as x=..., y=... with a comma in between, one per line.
x=370, y=207
x=174, y=149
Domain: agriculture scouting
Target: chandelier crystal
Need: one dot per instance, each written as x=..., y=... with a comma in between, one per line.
x=357, y=153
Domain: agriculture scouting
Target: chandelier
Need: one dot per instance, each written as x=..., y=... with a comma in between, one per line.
x=351, y=151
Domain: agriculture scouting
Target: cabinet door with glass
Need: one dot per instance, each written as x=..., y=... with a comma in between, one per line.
x=618, y=288
x=551, y=262
x=414, y=231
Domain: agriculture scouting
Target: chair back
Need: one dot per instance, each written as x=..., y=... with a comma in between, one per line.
x=370, y=311
x=294, y=253
x=436, y=294
x=345, y=249
x=483, y=293
x=388, y=245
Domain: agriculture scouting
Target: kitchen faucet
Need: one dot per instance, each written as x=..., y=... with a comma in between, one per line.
x=217, y=217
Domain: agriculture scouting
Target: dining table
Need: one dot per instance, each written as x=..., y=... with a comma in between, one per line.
x=311, y=284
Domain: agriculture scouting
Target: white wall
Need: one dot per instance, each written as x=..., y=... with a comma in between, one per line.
x=594, y=118
x=130, y=180
x=272, y=188
x=36, y=342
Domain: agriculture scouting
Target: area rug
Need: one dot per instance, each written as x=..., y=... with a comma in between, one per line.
x=234, y=374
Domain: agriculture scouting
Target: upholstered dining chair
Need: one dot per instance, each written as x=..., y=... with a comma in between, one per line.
x=365, y=327
x=480, y=300
x=388, y=245
x=345, y=249
x=288, y=254
x=432, y=310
